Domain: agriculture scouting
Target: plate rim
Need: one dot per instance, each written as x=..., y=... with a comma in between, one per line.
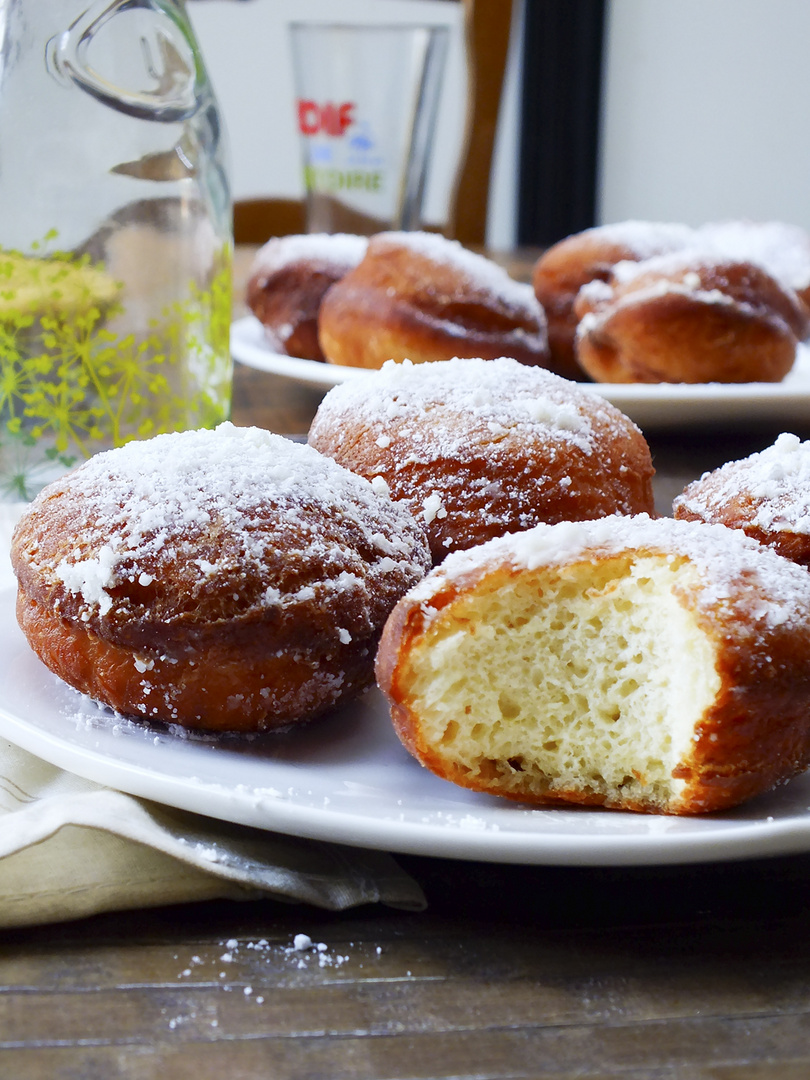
x=717, y=838
x=649, y=405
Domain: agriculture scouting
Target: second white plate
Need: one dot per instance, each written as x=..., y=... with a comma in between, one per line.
x=660, y=405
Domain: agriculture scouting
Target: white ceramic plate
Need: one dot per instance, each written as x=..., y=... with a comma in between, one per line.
x=347, y=779
x=661, y=405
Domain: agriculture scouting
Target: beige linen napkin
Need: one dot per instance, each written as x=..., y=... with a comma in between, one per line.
x=70, y=847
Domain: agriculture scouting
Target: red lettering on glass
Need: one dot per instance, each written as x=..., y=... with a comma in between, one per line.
x=309, y=117
x=331, y=119
x=345, y=115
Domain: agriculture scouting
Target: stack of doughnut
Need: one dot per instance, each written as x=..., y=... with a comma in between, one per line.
x=477, y=448
x=649, y=665
x=647, y=302
x=226, y=580
x=358, y=303
x=588, y=256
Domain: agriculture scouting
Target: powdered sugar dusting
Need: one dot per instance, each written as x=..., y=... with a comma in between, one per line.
x=669, y=275
x=679, y=273
x=421, y=400
x=682, y=265
x=774, y=486
x=644, y=238
x=91, y=578
x=723, y=557
x=479, y=447
x=208, y=508
x=481, y=272
x=780, y=249
x=342, y=249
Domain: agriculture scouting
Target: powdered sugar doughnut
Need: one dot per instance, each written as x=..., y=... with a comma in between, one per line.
x=767, y=495
x=422, y=297
x=595, y=255
x=781, y=249
x=288, y=279
x=681, y=318
x=648, y=665
x=476, y=448
x=564, y=268
x=222, y=580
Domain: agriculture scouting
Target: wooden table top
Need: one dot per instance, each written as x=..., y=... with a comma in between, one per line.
x=643, y=973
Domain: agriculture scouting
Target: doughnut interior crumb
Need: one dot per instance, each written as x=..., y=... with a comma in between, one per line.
x=636, y=663
x=573, y=681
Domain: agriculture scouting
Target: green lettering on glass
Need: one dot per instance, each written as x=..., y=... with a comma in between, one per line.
x=333, y=180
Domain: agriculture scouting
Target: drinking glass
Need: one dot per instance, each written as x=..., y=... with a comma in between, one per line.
x=367, y=99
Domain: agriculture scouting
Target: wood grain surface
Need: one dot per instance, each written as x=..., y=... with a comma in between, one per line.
x=511, y=972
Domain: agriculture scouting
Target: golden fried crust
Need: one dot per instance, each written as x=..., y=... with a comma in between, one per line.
x=594, y=255
x=240, y=585
x=471, y=473
x=720, y=322
x=766, y=495
x=738, y=513
x=403, y=302
x=564, y=268
x=302, y=552
x=288, y=279
x=231, y=682
x=754, y=735
x=558, y=276
x=503, y=486
x=287, y=304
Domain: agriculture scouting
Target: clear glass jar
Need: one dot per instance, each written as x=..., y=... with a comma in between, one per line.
x=115, y=233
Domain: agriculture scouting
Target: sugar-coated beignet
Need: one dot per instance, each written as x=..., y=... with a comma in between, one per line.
x=674, y=319
x=422, y=297
x=288, y=280
x=767, y=495
x=590, y=255
x=639, y=664
x=224, y=580
x=781, y=249
x=476, y=448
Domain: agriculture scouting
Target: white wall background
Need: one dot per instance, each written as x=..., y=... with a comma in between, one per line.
x=246, y=51
x=706, y=111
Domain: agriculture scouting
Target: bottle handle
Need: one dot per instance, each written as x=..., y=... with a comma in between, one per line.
x=171, y=60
